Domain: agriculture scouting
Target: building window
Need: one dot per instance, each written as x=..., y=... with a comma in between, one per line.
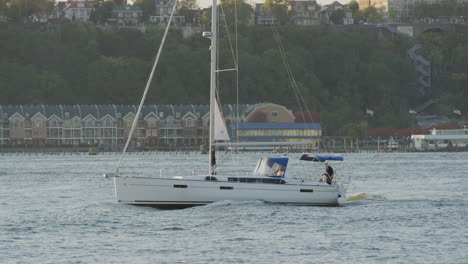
x=177, y=115
x=67, y=115
x=53, y=123
x=274, y=114
x=151, y=122
x=129, y=123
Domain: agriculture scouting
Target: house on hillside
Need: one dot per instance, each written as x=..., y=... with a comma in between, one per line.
x=336, y=13
x=78, y=10
x=305, y=12
x=162, y=13
x=126, y=15
x=263, y=16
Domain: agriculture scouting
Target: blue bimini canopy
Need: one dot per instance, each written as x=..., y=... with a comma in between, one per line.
x=312, y=157
x=271, y=167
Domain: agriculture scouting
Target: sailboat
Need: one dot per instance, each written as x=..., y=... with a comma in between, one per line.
x=268, y=182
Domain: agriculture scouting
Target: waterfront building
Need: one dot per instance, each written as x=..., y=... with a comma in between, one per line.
x=158, y=125
x=441, y=139
x=278, y=132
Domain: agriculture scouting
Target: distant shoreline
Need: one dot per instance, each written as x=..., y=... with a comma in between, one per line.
x=98, y=151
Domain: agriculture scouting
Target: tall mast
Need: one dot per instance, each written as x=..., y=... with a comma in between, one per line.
x=214, y=8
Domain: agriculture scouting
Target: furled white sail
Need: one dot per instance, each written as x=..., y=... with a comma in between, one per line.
x=220, y=130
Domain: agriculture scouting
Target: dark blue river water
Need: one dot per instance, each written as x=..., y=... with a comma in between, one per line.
x=402, y=208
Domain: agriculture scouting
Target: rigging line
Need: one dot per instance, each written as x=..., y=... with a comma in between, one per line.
x=299, y=96
x=296, y=86
x=283, y=56
x=217, y=91
x=285, y=60
x=286, y=65
x=148, y=83
x=229, y=35
x=236, y=63
x=237, y=77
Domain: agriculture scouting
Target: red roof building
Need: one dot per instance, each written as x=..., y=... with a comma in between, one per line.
x=78, y=10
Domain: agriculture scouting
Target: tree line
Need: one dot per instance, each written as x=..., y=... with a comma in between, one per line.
x=339, y=73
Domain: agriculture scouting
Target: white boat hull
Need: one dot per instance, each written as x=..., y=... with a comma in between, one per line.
x=181, y=193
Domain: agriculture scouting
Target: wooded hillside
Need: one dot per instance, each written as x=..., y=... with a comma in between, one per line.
x=340, y=73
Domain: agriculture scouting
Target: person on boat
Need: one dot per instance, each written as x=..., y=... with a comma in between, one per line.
x=328, y=175
x=280, y=171
x=329, y=170
x=325, y=178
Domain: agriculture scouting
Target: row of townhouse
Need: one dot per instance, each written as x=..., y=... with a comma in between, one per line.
x=158, y=125
x=303, y=12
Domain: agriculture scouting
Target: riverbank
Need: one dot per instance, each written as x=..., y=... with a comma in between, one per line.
x=193, y=150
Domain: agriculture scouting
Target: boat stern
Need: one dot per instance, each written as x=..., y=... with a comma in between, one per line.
x=341, y=194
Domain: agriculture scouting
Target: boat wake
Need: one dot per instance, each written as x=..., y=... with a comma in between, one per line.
x=357, y=197
x=360, y=197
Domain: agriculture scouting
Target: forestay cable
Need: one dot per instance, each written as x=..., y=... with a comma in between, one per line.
x=297, y=92
x=235, y=57
x=148, y=83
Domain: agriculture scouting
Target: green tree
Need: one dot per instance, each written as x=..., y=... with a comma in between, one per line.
x=228, y=8
x=244, y=11
x=354, y=6
x=147, y=6
x=102, y=11
x=3, y=7
x=336, y=17
x=188, y=9
x=279, y=9
x=52, y=89
x=336, y=72
x=371, y=15
x=20, y=9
